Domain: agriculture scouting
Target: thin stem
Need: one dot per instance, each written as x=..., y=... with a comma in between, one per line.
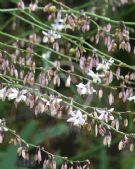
x=74, y=105
x=81, y=77
x=121, y=64
x=106, y=19
x=59, y=94
x=13, y=132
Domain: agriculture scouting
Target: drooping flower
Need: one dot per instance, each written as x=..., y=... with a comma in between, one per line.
x=111, y=98
x=105, y=115
x=23, y=152
x=77, y=118
x=100, y=93
x=38, y=156
x=107, y=139
x=21, y=4
x=3, y=93
x=14, y=93
x=123, y=143
x=33, y=6
x=2, y=125
x=21, y=96
x=68, y=81
x=2, y=129
x=82, y=62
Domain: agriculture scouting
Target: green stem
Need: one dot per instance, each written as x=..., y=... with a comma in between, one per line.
x=106, y=19
x=121, y=64
x=109, y=127
x=13, y=132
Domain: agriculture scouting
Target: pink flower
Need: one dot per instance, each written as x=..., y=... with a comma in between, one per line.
x=105, y=114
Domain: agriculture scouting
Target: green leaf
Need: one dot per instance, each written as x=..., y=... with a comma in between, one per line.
x=50, y=132
x=9, y=159
x=29, y=129
x=14, y=1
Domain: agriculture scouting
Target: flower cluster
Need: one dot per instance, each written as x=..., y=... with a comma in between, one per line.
x=126, y=143
x=41, y=103
x=55, y=68
x=50, y=160
x=40, y=155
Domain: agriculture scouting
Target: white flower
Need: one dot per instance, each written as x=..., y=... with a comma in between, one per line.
x=68, y=81
x=77, y=118
x=85, y=89
x=105, y=114
x=81, y=88
x=15, y=94
x=95, y=76
x=3, y=127
x=3, y=93
x=21, y=96
x=55, y=100
x=50, y=36
x=58, y=25
x=46, y=55
x=105, y=65
x=90, y=88
x=132, y=98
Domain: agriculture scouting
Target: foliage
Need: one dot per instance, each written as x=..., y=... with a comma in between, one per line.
x=67, y=79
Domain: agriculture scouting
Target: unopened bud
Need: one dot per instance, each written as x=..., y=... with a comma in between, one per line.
x=52, y=9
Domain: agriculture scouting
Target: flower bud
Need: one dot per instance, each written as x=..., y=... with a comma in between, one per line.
x=131, y=147
x=52, y=9
x=126, y=122
x=72, y=51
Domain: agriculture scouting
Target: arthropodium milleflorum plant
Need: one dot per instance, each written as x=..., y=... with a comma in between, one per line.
x=92, y=72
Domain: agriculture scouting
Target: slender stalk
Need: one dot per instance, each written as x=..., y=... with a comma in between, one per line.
x=121, y=64
x=108, y=126
x=30, y=145
x=106, y=19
